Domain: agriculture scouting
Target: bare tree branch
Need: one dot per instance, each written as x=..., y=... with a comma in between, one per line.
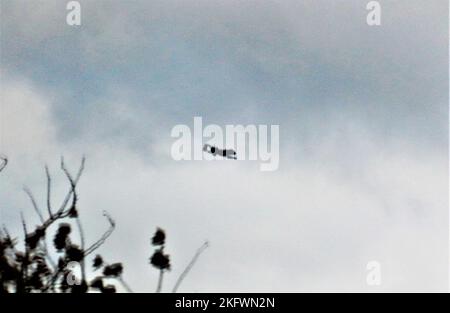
x=160, y=281
x=24, y=265
x=5, y=230
x=24, y=225
x=33, y=202
x=32, y=266
x=98, y=243
x=190, y=266
x=125, y=284
x=73, y=211
x=49, y=186
x=32, y=272
x=63, y=211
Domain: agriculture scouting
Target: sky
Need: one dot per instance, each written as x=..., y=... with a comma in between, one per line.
x=363, y=117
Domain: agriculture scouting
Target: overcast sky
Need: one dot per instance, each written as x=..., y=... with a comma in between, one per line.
x=363, y=115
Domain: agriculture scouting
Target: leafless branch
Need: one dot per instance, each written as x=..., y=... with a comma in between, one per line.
x=98, y=243
x=73, y=207
x=124, y=284
x=160, y=281
x=29, y=263
x=33, y=202
x=63, y=211
x=5, y=231
x=190, y=266
x=50, y=214
x=80, y=230
x=49, y=186
x=24, y=225
x=24, y=267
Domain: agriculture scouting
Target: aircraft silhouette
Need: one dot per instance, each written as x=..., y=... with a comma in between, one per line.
x=3, y=162
x=226, y=153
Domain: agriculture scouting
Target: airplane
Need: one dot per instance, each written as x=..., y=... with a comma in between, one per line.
x=3, y=162
x=226, y=153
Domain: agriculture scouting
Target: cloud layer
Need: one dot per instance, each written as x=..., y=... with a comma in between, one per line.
x=363, y=129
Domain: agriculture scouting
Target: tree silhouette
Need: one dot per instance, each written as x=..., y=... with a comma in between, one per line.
x=33, y=268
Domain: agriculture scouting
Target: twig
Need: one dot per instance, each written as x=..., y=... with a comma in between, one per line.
x=160, y=281
x=74, y=183
x=24, y=225
x=190, y=266
x=80, y=230
x=62, y=212
x=33, y=202
x=24, y=266
x=98, y=243
x=50, y=214
x=49, y=185
x=73, y=207
x=125, y=285
x=5, y=231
